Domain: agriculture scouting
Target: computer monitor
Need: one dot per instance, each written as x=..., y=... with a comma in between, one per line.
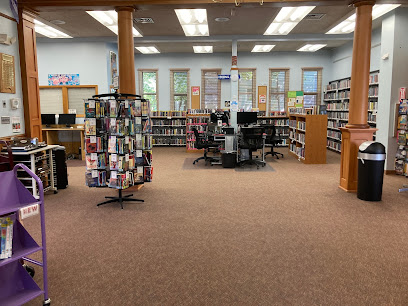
x=247, y=117
x=67, y=119
x=48, y=119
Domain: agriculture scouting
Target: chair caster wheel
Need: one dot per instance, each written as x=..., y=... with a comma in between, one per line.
x=55, y=191
x=30, y=270
x=47, y=302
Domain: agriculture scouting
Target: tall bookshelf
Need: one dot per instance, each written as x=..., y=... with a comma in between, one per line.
x=281, y=122
x=337, y=99
x=169, y=128
x=195, y=118
x=308, y=138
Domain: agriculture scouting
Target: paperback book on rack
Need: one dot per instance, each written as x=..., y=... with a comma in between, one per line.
x=118, y=142
x=6, y=237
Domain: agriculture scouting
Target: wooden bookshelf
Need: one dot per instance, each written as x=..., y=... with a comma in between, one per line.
x=198, y=121
x=307, y=137
x=337, y=99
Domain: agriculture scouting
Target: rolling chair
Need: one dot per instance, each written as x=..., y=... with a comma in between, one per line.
x=202, y=143
x=273, y=139
x=252, y=139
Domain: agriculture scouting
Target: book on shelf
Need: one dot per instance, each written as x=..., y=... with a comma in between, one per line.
x=6, y=237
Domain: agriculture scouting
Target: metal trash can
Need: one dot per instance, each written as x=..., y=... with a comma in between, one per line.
x=371, y=160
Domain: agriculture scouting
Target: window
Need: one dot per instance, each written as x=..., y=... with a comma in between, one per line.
x=278, y=89
x=179, y=93
x=247, y=89
x=211, y=89
x=148, y=87
x=312, y=86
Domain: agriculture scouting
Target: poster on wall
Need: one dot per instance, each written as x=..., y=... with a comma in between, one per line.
x=195, y=90
x=16, y=124
x=113, y=67
x=299, y=99
x=63, y=79
x=262, y=99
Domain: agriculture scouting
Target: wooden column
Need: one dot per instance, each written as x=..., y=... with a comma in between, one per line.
x=357, y=130
x=29, y=75
x=127, y=83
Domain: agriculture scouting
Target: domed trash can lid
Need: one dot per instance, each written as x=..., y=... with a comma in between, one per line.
x=371, y=150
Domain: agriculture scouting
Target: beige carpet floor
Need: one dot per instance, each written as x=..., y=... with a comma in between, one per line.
x=225, y=237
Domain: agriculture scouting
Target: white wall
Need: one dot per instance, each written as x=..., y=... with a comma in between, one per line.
x=9, y=27
x=342, y=57
x=89, y=59
x=262, y=62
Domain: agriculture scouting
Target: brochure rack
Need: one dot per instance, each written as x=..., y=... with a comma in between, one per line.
x=118, y=143
x=17, y=286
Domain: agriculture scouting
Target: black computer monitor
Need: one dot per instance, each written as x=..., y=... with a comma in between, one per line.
x=48, y=119
x=67, y=119
x=247, y=117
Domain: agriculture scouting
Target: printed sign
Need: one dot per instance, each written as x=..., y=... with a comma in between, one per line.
x=29, y=211
x=224, y=76
x=195, y=90
x=262, y=99
x=403, y=93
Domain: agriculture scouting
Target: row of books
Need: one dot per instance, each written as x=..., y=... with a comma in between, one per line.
x=169, y=141
x=114, y=126
x=163, y=131
x=168, y=113
x=338, y=115
x=373, y=78
x=197, y=120
x=272, y=114
x=401, y=157
x=372, y=117
x=337, y=95
x=6, y=237
x=95, y=144
x=200, y=111
x=299, y=151
x=96, y=161
x=331, y=144
x=373, y=91
x=276, y=122
x=339, y=85
x=95, y=108
x=301, y=125
x=335, y=124
x=334, y=134
x=338, y=106
x=168, y=122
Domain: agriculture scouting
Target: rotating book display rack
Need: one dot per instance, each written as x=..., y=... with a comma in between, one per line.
x=118, y=143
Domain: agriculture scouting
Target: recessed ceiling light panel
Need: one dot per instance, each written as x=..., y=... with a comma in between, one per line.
x=348, y=25
x=148, y=50
x=311, y=47
x=48, y=31
x=287, y=19
x=263, y=48
x=193, y=21
x=110, y=20
x=222, y=19
x=203, y=49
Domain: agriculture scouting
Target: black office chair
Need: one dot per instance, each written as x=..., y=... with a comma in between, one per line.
x=252, y=139
x=6, y=156
x=273, y=139
x=202, y=143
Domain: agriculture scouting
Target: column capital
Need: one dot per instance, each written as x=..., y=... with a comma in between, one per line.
x=358, y=3
x=124, y=9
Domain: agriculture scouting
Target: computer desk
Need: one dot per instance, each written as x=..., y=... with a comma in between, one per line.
x=50, y=135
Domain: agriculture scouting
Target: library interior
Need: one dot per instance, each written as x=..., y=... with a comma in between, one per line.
x=203, y=152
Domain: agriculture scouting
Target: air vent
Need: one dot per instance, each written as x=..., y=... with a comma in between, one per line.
x=144, y=20
x=314, y=16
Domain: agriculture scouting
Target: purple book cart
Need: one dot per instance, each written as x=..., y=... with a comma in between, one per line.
x=17, y=287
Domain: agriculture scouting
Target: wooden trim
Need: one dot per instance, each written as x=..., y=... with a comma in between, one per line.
x=8, y=138
x=390, y=172
x=7, y=17
x=143, y=69
x=179, y=69
x=71, y=86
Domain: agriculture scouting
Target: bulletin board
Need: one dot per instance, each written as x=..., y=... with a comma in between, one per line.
x=7, y=74
x=195, y=97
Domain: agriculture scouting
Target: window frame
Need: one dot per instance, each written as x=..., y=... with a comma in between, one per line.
x=318, y=94
x=253, y=70
x=141, y=92
x=173, y=94
x=203, y=94
x=286, y=89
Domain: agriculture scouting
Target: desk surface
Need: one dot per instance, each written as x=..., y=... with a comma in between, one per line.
x=49, y=147
x=63, y=129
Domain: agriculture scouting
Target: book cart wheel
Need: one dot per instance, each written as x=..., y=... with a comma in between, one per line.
x=47, y=302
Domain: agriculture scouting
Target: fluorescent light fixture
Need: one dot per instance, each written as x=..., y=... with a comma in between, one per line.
x=203, y=49
x=49, y=31
x=311, y=48
x=262, y=48
x=348, y=25
x=148, y=50
x=193, y=21
x=287, y=19
x=110, y=20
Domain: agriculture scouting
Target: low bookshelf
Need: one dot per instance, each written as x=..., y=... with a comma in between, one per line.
x=169, y=128
x=307, y=138
x=337, y=99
